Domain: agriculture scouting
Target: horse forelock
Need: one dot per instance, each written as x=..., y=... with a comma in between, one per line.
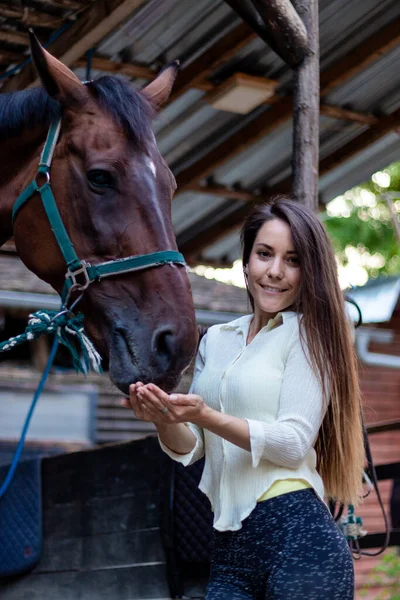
x=127, y=107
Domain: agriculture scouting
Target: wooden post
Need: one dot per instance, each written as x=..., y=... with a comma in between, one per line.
x=284, y=30
x=306, y=112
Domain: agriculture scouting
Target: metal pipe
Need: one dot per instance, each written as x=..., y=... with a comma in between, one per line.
x=364, y=336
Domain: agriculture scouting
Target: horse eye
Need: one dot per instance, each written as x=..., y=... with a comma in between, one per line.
x=99, y=178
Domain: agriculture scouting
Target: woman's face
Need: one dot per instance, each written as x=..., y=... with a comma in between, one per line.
x=273, y=272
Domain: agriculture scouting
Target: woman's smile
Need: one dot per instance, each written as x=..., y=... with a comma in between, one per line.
x=273, y=290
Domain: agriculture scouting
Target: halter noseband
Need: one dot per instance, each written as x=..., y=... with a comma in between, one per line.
x=80, y=274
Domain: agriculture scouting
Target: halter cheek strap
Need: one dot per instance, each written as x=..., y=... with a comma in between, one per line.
x=80, y=274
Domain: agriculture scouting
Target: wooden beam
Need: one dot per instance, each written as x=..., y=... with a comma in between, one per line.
x=97, y=21
x=31, y=17
x=222, y=51
x=12, y=37
x=62, y=4
x=261, y=125
x=109, y=66
x=134, y=71
x=237, y=143
x=200, y=239
x=286, y=27
x=277, y=23
x=131, y=70
x=344, y=114
x=9, y=57
x=306, y=112
x=384, y=126
x=367, y=52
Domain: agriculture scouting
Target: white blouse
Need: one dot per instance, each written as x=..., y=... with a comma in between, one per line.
x=271, y=385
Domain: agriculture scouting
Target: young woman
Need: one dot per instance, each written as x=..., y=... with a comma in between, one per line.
x=275, y=408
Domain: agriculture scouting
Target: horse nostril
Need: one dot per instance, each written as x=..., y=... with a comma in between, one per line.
x=164, y=343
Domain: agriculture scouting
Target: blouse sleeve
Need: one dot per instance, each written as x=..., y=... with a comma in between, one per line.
x=198, y=450
x=286, y=441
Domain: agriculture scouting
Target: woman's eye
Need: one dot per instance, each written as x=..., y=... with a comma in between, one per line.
x=264, y=253
x=100, y=179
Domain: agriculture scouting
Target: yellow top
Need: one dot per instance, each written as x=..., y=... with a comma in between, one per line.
x=283, y=486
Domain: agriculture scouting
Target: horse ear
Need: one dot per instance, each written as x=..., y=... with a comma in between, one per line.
x=157, y=92
x=57, y=79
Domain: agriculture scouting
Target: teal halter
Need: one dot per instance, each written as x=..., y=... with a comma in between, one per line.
x=80, y=274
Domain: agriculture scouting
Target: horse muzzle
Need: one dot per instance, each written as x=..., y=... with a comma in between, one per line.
x=156, y=356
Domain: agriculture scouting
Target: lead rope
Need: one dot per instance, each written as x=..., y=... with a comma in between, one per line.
x=68, y=329
x=14, y=464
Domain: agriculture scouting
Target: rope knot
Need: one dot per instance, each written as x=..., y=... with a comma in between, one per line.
x=70, y=332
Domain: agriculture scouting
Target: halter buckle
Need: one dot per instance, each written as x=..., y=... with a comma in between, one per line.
x=82, y=273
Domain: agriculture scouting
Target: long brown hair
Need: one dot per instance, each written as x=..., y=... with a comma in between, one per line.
x=326, y=330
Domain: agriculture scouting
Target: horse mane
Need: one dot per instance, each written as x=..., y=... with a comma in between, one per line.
x=29, y=108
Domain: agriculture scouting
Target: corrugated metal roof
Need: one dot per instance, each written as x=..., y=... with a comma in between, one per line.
x=188, y=128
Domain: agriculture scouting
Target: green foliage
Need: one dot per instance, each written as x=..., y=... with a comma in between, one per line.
x=361, y=219
x=386, y=574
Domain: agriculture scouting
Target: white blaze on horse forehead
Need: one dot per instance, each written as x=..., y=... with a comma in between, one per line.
x=151, y=166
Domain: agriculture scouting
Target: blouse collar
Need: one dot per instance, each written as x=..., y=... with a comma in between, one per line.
x=242, y=324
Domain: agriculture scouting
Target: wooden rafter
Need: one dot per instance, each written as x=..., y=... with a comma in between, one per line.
x=109, y=66
x=284, y=30
x=134, y=70
x=9, y=57
x=131, y=70
x=268, y=121
x=384, y=126
x=93, y=25
x=14, y=38
x=239, y=141
x=30, y=18
x=263, y=124
x=203, y=236
x=63, y=4
x=344, y=114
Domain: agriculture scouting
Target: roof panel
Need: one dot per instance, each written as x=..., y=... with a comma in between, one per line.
x=188, y=208
x=374, y=89
x=343, y=24
x=188, y=128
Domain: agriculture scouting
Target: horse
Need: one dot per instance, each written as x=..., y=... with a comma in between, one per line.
x=113, y=193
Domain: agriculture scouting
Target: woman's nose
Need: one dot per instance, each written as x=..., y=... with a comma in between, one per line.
x=275, y=268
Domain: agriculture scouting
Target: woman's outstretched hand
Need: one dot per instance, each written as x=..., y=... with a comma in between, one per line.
x=150, y=403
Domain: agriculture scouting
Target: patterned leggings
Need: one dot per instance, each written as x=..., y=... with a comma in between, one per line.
x=289, y=548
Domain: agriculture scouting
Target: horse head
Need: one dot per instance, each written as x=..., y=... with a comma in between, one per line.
x=113, y=191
